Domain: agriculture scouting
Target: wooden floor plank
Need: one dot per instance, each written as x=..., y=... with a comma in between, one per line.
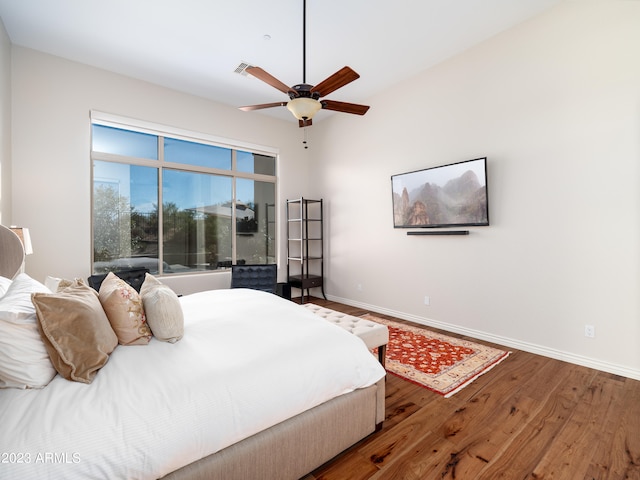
x=619, y=455
x=571, y=451
x=522, y=451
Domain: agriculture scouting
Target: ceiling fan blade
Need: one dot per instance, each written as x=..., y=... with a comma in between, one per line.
x=344, y=107
x=268, y=78
x=249, y=108
x=339, y=79
x=305, y=123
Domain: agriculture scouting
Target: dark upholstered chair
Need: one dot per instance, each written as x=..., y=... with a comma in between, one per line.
x=133, y=276
x=257, y=277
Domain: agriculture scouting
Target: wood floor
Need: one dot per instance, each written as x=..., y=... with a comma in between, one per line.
x=531, y=417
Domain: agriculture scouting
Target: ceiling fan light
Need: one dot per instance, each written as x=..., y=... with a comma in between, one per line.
x=304, y=107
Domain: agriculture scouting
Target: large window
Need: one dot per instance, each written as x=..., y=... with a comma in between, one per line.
x=176, y=205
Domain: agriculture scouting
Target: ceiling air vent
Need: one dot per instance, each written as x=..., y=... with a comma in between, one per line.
x=242, y=68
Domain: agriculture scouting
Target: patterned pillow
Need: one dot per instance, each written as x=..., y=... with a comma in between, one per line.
x=123, y=307
x=75, y=330
x=163, y=310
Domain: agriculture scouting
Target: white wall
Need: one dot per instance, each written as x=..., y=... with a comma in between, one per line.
x=5, y=126
x=555, y=106
x=52, y=99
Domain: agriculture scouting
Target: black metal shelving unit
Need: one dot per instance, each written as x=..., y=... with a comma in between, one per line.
x=305, y=245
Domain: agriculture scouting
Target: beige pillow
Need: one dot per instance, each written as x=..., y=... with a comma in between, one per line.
x=75, y=331
x=163, y=310
x=123, y=307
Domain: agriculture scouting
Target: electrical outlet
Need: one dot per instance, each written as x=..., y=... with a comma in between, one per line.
x=359, y=287
x=427, y=300
x=589, y=331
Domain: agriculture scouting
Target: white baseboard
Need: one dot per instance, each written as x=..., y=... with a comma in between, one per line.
x=504, y=341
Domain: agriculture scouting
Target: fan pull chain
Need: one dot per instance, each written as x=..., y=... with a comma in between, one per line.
x=304, y=142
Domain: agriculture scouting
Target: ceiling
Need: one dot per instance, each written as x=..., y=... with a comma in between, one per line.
x=194, y=46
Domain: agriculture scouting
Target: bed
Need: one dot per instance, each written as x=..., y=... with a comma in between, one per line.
x=257, y=387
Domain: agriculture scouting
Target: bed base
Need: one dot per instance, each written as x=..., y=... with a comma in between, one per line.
x=295, y=447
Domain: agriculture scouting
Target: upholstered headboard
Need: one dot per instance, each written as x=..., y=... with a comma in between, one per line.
x=11, y=253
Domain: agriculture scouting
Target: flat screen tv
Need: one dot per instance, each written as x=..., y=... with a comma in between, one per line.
x=453, y=195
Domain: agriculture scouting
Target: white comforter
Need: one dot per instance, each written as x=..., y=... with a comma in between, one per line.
x=248, y=360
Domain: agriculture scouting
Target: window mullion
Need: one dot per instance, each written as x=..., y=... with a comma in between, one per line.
x=160, y=209
x=197, y=169
x=234, y=223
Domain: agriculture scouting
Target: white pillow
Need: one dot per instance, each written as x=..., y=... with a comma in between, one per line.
x=56, y=284
x=52, y=283
x=24, y=361
x=4, y=285
x=162, y=309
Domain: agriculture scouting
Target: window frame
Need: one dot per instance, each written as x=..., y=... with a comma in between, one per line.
x=162, y=131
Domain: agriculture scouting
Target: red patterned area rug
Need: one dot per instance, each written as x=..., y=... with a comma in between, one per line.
x=438, y=362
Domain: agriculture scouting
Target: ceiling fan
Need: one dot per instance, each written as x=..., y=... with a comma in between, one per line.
x=304, y=99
